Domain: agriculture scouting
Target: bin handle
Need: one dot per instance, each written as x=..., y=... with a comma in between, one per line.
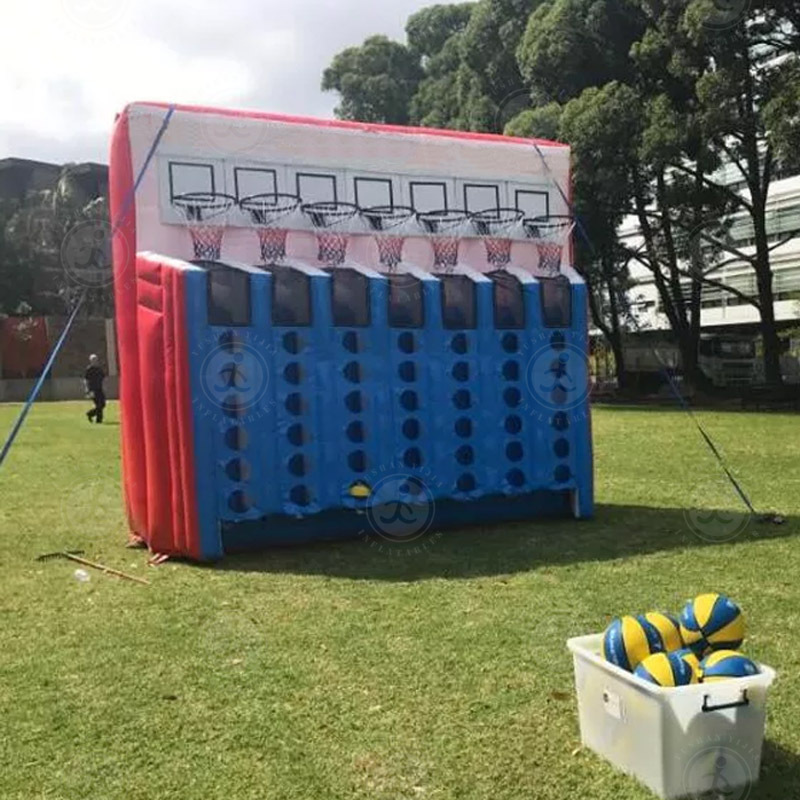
x=744, y=701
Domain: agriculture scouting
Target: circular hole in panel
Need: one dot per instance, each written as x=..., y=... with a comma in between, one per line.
x=354, y=402
x=462, y=399
x=459, y=343
x=465, y=455
x=510, y=342
x=407, y=371
x=463, y=427
x=511, y=370
x=466, y=482
x=237, y=469
x=516, y=477
x=562, y=473
x=414, y=486
x=561, y=448
x=461, y=371
x=411, y=429
x=292, y=373
x=355, y=432
x=409, y=400
x=560, y=421
x=558, y=396
x=513, y=424
x=406, y=342
x=236, y=438
x=296, y=435
x=291, y=343
x=514, y=451
x=357, y=461
x=239, y=502
x=300, y=495
x=352, y=372
x=512, y=397
x=412, y=458
x=297, y=465
x=350, y=342
x=294, y=404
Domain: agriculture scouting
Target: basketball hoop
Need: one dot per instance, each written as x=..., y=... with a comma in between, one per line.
x=265, y=211
x=551, y=235
x=490, y=225
x=326, y=218
x=382, y=220
x=445, y=228
x=199, y=209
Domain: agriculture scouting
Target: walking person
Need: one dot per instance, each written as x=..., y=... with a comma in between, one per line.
x=93, y=380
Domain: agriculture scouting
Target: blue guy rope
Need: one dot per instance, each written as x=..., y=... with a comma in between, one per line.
x=127, y=203
x=665, y=370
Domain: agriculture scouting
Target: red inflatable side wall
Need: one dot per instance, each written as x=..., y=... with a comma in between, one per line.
x=123, y=219
x=166, y=408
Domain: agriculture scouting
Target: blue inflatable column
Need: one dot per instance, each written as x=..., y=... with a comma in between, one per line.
x=301, y=321
x=414, y=321
x=516, y=337
x=359, y=399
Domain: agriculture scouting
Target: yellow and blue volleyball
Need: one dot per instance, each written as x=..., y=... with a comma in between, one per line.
x=722, y=665
x=712, y=622
x=666, y=669
x=691, y=659
x=668, y=628
x=629, y=640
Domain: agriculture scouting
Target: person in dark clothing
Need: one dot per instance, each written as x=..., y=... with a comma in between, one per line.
x=93, y=379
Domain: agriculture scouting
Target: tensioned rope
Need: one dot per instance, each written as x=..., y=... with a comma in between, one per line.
x=124, y=211
x=665, y=370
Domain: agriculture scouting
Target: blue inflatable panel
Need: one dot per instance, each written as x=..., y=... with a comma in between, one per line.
x=321, y=398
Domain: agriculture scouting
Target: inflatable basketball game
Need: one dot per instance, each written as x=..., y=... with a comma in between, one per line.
x=332, y=329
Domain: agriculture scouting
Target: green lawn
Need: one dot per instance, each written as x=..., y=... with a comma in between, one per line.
x=351, y=671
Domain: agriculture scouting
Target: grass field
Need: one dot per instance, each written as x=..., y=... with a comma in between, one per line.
x=352, y=671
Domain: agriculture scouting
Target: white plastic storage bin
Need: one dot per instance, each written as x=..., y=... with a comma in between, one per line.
x=688, y=741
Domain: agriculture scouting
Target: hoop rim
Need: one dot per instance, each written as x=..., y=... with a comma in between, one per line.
x=329, y=212
x=553, y=222
x=293, y=201
x=387, y=218
x=497, y=220
x=204, y=200
x=451, y=217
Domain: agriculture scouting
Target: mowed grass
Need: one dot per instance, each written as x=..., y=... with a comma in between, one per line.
x=358, y=671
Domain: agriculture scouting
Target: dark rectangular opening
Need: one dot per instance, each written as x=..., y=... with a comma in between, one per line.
x=406, y=307
x=556, y=302
x=459, y=302
x=349, y=298
x=291, y=298
x=228, y=296
x=509, y=301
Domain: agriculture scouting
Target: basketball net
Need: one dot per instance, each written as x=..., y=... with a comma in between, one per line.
x=206, y=240
x=273, y=244
x=445, y=252
x=206, y=217
x=332, y=247
x=390, y=249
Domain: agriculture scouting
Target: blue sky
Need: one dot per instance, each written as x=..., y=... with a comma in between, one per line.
x=67, y=66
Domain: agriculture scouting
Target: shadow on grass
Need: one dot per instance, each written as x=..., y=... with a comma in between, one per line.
x=616, y=532
x=780, y=773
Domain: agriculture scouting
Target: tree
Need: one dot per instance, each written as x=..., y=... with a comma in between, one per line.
x=429, y=30
x=375, y=81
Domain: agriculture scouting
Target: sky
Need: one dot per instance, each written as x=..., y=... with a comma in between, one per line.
x=68, y=66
